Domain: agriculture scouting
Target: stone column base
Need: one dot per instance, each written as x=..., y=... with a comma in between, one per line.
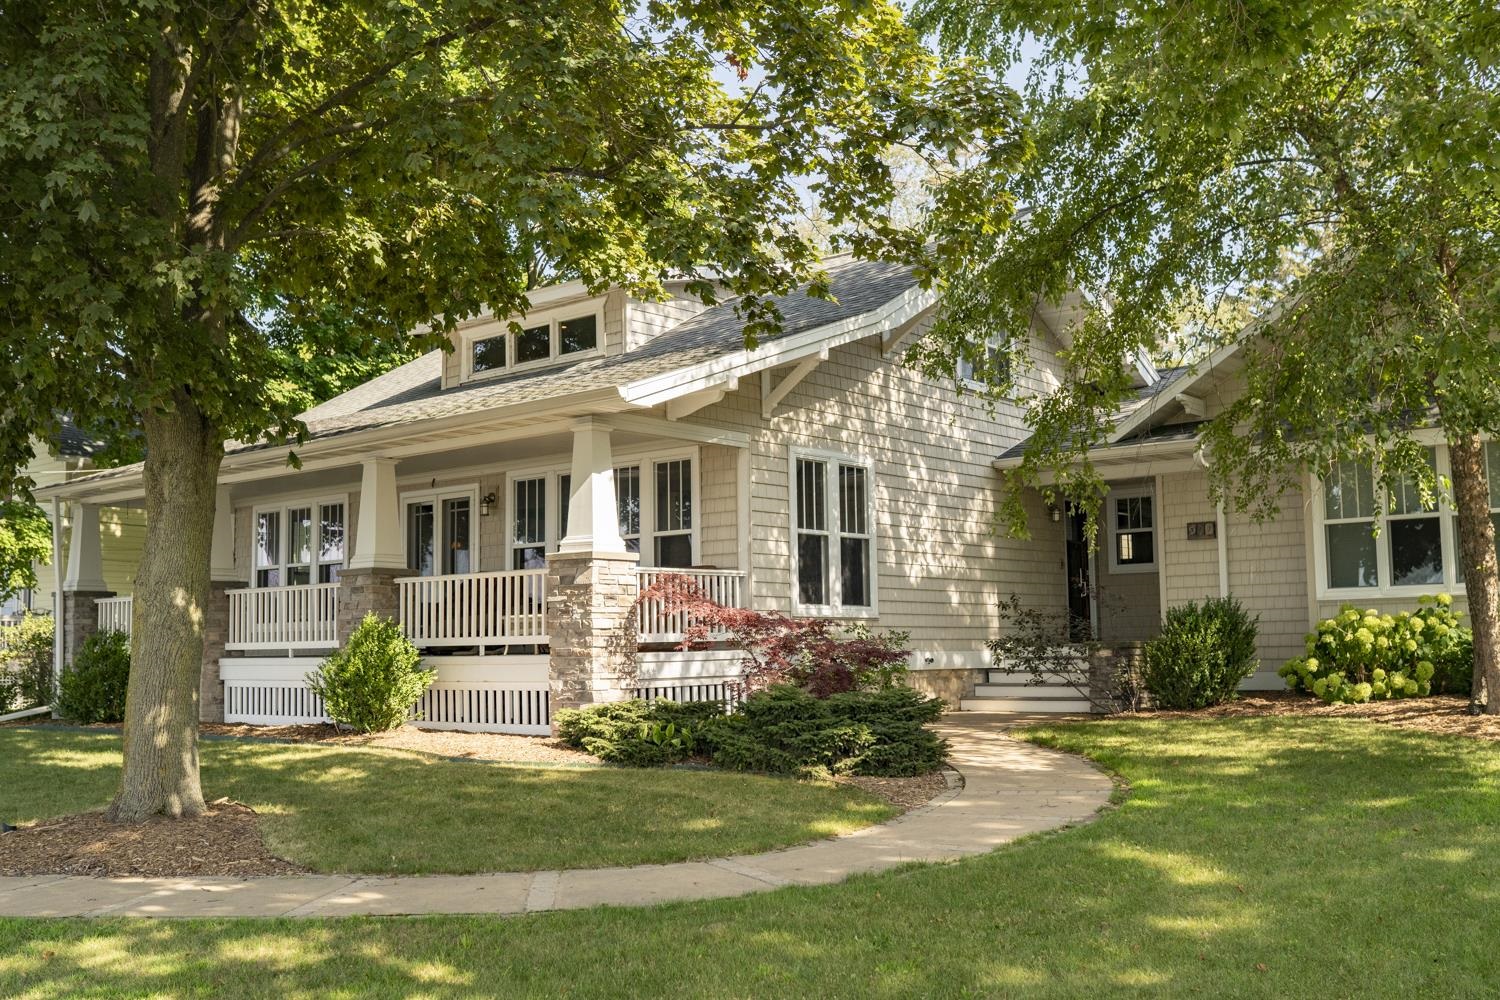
x=367, y=591
x=591, y=622
x=80, y=619
x=952, y=685
x=215, y=635
x=1115, y=678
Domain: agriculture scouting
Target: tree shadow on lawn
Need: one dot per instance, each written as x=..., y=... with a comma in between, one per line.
x=1252, y=858
x=393, y=812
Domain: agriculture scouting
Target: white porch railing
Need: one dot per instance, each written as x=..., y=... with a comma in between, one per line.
x=114, y=613
x=475, y=609
x=300, y=617
x=725, y=587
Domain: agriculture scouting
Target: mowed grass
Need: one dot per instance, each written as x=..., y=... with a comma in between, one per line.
x=1252, y=858
x=394, y=812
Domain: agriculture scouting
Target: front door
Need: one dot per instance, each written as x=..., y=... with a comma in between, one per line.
x=1080, y=613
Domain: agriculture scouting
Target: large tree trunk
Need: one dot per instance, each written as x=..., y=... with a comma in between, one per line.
x=160, y=777
x=1476, y=534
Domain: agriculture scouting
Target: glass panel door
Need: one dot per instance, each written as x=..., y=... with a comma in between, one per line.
x=268, y=549
x=456, y=540
x=420, y=538
x=330, y=542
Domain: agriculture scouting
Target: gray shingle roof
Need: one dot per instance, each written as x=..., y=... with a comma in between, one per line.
x=1142, y=396
x=413, y=392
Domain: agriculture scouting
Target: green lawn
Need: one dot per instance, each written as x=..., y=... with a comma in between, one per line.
x=1261, y=858
x=388, y=811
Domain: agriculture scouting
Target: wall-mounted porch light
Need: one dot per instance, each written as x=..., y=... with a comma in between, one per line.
x=1054, y=512
x=486, y=504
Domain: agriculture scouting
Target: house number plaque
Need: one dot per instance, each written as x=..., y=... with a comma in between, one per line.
x=1200, y=530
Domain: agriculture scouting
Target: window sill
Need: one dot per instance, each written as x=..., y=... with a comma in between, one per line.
x=1354, y=595
x=829, y=611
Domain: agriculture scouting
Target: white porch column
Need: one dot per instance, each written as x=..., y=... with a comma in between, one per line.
x=378, y=542
x=85, y=562
x=221, y=556
x=593, y=521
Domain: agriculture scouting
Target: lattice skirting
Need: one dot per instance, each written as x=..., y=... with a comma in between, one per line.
x=698, y=689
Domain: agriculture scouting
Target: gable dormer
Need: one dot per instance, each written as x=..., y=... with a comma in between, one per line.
x=565, y=324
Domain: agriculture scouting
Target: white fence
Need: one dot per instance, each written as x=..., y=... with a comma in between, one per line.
x=300, y=617
x=114, y=613
x=724, y=587
x=471, y=693
x=475, y=609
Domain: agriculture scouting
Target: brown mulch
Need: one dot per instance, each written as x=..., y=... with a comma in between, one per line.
x=224, y=841
x=1445, y=714
x=903, y=793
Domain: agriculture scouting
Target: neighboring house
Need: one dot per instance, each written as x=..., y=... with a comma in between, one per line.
x=504, y=501
x=121, y=530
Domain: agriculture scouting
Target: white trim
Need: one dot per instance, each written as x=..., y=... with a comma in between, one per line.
x=1112, y=529
x=549, y=317
x=281, y=506
x=771, y=396
x=832, y=460
x=1447, y=537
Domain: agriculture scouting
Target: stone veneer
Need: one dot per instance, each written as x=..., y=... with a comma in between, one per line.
x=80, y=619
x=951, y=685
x=1115, y=678
x=215, y=635
x=591, y=597
x=362, y=591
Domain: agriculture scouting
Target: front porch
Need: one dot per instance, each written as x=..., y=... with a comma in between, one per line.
x=514, y=570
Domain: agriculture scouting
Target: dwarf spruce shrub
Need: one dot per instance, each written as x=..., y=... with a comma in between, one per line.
x=1202, y=654
x=1358, y=656
x=639, y=733
x=92, y=687
x=373, y=683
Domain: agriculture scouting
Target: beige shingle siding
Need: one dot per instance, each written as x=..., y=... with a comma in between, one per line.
x=718, y=508
x=1267, y=564
x=941, y=569
x=122, y=539
x=648, y=320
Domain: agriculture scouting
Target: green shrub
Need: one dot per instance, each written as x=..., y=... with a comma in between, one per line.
x=92, y=687
x=781, y=729
x=26, y=663
x=372, y=684
x=785, y=730
x=1202, y=654
x=639, y=733
x=1360, y=656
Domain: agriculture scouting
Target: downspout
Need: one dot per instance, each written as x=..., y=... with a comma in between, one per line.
x=1220, y=530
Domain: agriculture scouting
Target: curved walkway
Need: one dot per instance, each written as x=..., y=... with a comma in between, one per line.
x=1008, y=789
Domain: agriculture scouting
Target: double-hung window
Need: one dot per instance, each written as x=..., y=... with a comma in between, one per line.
x=1492, y=474
x=995, y=366
x=833, y=535
x=528, y=542
x=1348, y=507
x=672, y=541
x=298, y=544
x=1132, y=531
x=1415, y=532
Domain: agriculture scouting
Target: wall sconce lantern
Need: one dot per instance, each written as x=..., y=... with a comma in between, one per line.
x=487, y=504
x=1054, y=512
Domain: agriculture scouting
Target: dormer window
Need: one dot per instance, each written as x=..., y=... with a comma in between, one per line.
x=555, y=338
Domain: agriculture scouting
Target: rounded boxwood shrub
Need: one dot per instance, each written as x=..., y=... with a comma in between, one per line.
x=1202, y=654
x=372, y=684
x=92, y=687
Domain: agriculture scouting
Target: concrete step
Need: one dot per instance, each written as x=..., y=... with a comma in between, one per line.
x=1026, y=691
x=1034, y=706
x=1001, y=677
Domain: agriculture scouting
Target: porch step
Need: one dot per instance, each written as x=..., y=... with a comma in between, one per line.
x=1005, y=692
x=994, y=676
x=1027, y=706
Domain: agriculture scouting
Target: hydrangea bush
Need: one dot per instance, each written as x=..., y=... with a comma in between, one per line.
x=1360, y=656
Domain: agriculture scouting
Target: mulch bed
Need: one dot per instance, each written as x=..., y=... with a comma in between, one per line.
x=1444, y=714
x=903, y=793
x=444, y=743
x=224, y=841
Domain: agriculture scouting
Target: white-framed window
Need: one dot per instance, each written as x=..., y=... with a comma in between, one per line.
x=298, y=542
x=996, y=362
x=1131, y=515
x=1370, y=543
x=440, y=531
x=833, y=535
x=654, y=501
x=544, y=337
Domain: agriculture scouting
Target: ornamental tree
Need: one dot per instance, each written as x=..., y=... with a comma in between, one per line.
x=25, y=541
x=1335, y=158
x=169, y=171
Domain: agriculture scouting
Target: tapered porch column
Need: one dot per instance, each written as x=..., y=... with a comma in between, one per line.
x=368, y=583
x=222, y=578
x=591, y=583
x=84, y=583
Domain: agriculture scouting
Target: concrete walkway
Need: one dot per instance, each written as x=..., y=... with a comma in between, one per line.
x=1008, y=789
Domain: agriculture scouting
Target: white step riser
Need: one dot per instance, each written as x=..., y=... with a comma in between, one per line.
x=1000, y=677
x=1044, y=691
x=1034, y=706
